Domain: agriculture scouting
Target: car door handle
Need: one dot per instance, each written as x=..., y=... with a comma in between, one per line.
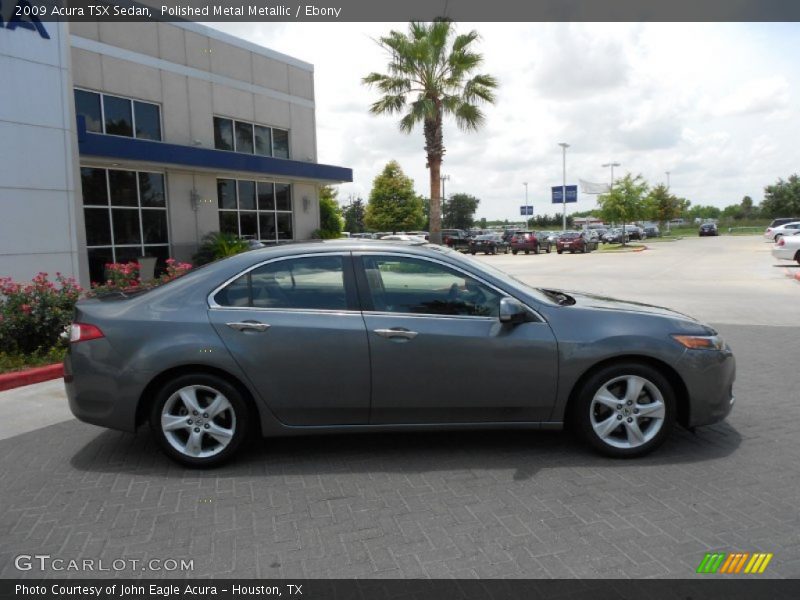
x=248, y=326
x=397, y=333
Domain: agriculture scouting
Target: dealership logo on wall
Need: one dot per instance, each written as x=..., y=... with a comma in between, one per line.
x=23, y=16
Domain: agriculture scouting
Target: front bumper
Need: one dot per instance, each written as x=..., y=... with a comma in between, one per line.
x=709, y=376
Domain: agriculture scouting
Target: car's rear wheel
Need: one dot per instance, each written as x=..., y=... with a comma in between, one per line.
x=559, y=251
x=514, y=252
x=797, y=257
x=199, y=420
x=625, y=410
x=527, y=251
x=548, y=249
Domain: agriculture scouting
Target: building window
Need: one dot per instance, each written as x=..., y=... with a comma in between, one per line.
x=223, y=134
x=259, y=210
x=280, y=143
x=125, y=214
x=248, y=138
x=115, y=115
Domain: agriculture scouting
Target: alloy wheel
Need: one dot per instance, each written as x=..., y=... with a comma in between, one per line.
x=627, y=411
x=198, y=421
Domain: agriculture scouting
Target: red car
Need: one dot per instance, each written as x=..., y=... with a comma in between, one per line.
x=527, y=242
x=574, y=241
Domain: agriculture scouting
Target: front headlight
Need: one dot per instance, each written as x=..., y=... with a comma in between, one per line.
x=700, y=342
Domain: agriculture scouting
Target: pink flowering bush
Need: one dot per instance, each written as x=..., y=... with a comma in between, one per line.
x=33, y=315
x=125, y=277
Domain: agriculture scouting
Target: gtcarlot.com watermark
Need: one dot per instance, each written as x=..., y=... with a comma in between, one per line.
x=46, y=562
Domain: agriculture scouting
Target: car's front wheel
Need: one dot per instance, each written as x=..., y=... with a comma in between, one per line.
x=199, y=420
x=625, y=410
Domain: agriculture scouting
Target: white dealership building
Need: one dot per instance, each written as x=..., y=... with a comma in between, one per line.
x=122, y=140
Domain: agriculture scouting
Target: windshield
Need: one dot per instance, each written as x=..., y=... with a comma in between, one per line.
x=506, y=279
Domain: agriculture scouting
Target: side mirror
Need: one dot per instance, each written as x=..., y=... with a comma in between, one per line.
x=511, y=311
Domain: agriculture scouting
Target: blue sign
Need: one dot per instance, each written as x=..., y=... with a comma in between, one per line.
x=572, y=194
x=526, y=210
x=25, y=16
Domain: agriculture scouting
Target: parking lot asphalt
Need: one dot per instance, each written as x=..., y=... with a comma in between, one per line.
x=727, y=279
x=484, y=504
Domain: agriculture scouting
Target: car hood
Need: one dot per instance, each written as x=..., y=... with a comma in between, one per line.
x=604, y=303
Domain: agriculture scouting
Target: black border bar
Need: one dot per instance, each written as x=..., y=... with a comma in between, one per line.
x=404, y=10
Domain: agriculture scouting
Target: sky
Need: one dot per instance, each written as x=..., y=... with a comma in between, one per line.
x=715, y=104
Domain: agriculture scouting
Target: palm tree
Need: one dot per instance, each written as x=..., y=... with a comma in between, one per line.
x=430, y=76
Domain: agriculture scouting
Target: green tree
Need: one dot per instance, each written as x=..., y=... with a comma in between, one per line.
x=700, y=211
x=626, y=201
x=782, y=199
x=393, y=204
x=354, y=216
x=430, y=76
x=459, y=211
x=662, y=206
x=330, y=223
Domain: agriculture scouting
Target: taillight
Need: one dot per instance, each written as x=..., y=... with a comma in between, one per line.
x=514, y=240
x=780, y=242
x=82, y=332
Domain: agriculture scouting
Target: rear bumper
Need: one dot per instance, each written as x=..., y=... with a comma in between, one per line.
x=97, y=392
x=709, y=378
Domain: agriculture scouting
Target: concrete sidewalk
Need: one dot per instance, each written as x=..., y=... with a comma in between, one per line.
x=31, y=407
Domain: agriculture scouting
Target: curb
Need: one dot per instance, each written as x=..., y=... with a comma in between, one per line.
x=17, y=379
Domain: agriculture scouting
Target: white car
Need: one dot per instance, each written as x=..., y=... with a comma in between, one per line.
x=787, y=247
x=774, y=233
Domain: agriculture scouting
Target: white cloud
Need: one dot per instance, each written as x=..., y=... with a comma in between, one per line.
x=711, y=103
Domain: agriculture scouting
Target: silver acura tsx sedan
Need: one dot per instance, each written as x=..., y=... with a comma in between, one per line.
x=360, y=335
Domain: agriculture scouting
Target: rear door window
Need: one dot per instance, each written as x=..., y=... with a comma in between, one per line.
x=310, y=283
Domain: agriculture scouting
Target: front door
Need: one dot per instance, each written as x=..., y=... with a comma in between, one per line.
x=294, y=327
x=439, y=352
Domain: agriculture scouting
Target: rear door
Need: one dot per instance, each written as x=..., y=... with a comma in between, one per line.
x=294, y=326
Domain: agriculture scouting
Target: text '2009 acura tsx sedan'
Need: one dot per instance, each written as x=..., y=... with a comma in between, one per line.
x=356, y=335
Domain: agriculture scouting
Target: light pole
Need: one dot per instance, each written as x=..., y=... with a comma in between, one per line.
x=525, y=183
x=668, y=223
x=443, y=179
x=612, y=165
x=564, y=147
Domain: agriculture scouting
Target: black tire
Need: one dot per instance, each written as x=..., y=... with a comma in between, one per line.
x=236, y=417
x=560, y=251
x=473, y=252
x=506, y=250
x=514, y=252
x=527, y=251
x=582, y=409
x=536, y=250
x=548, y=248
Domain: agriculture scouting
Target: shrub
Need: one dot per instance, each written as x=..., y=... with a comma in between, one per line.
x=32, y=316
x=216, y=245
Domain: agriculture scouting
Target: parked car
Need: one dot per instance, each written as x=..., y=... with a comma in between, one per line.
x=492, y=243
x=635, y=232
x=574, y=241
x=457, y=239
x=528, y=241
x=777, y=232
x=787, y=247
x=252, y=344
x=404, y=237
x=600, y=231
x=707, y=229
x=652, y=231
x=777, y=223
x=616, y=236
